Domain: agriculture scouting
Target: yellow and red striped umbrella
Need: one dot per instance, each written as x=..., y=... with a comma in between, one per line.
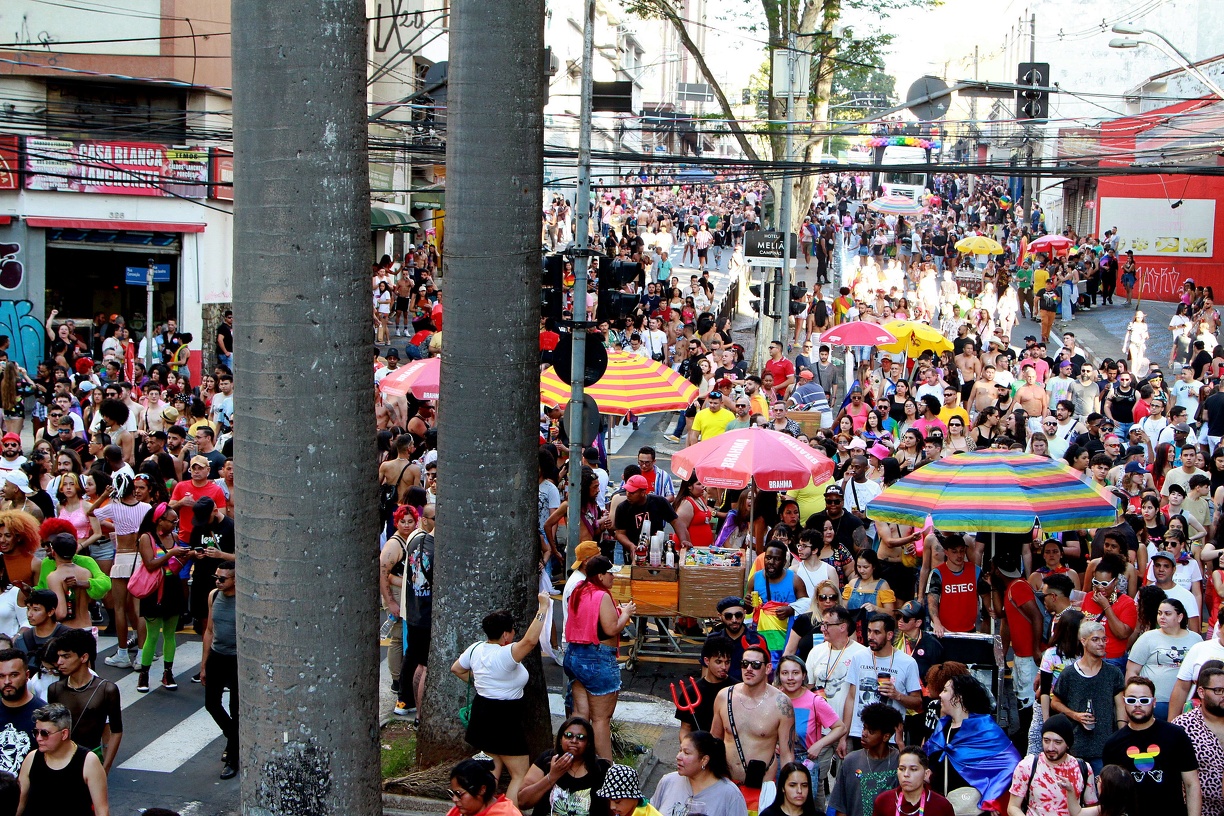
x=631, y=384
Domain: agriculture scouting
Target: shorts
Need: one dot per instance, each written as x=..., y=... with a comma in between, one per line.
x=402, y=304
x=594, y=666
x=1024, y=672
x=702, y=253
x=124, y=564
x=102, y=550
x=18, y=411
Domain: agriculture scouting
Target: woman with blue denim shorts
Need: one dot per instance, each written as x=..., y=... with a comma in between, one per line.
x=592, y=626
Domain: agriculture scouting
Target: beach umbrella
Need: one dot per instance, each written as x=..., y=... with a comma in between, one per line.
x=1051, y=243
x=771, y=460
x=632, y=384
x=420, y=377
x=913, y=338
x=979, y=245
x=994, y=492
x=896, y=205
x=858, y=333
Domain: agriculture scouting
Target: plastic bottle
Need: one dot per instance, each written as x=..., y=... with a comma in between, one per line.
x=656, y=552
x=670, y=557
x=642, y=550
x=384, y=631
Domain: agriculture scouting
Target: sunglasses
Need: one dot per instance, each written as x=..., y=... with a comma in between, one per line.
x=733, y=616
x=755, y=665
x=1097, y=583
x=1143, y=701
x=455, y=794
x=580, y=736
x=43, y=733
x=827, y=597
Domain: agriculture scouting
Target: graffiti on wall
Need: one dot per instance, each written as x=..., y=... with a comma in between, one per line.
x=11, y=270
x=1161, y=282
x=25, y=332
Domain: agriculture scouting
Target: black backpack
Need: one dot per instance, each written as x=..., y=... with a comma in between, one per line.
x=1085, y=774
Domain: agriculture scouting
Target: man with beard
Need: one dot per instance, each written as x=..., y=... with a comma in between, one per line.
x=777, y=585
x=735, y=629
x=1041, y=785
x=882, y=675
x=17, y=706
x=1205, y=727
x=1158, y=755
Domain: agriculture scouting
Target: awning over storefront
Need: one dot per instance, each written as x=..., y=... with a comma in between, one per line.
x=392, y=220
x=109, y=224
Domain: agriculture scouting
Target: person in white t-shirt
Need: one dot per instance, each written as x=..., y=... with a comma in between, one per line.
x=1187, y=675
x=497, y=724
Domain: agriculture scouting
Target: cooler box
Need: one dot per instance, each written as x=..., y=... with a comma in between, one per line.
x=702, y=587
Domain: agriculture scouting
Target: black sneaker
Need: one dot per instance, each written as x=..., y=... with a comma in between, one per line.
x=229, y=772
x=195, y=678
x=395, y=686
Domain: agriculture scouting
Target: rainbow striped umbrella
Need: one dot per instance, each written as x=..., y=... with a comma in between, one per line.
x=631, y=383
x=994, y=492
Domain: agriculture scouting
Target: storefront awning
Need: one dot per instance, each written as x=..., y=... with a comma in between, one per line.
x=109, y=224
x=391, y=220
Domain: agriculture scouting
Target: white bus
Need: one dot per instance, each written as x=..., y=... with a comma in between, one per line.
x=899, y=183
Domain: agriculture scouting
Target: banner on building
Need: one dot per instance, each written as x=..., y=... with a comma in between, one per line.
x=1149, y=226
x=221, y=175
x=118, y=168
x=9, y=168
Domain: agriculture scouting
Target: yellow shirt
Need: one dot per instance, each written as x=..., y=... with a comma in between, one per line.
x=810, y=498
x=708, y=424
x=1040, y=276
x=947, y=413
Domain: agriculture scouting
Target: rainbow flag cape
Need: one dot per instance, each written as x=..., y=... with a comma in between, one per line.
x=772, y=629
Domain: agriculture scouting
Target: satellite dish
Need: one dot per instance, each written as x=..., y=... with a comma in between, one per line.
x=933, y=109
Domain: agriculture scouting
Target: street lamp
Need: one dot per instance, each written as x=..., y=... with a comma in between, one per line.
x=1164, y=46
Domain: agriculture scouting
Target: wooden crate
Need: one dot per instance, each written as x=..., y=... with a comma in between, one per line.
x=702, y=587
x=656, y=598
x=809, y=421
x=621, y=591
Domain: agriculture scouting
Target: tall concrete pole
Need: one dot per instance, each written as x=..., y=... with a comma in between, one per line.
x=782, y=277
x=488, y=545
x=305, y=473
x=582, y=209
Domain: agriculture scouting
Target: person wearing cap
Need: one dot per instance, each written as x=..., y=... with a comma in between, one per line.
x=710, y=421
x=809, y=396
x=17, y=492
x=641, y=505
x=913, y=640
x=188, y=491
x=10, y=457
x=623, y=793
x=735, y=627
x=848, y=529
x=1039, y=785
x=1023, y=631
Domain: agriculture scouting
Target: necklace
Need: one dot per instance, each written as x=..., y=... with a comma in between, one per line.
x=922, y=800
x=751, y=708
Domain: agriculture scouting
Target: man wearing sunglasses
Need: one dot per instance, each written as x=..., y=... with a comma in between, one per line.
x=756, y=723
x=1157, y=755
x=734, y=628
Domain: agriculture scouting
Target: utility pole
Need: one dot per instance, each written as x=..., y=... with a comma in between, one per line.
x=1029, y=131
x=973, y=125
x=148, y=355
x=782, y=276
x=582, y=208
x=307, y=579
x=488, y=544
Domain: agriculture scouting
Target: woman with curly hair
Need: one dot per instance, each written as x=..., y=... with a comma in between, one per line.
x=19, y=542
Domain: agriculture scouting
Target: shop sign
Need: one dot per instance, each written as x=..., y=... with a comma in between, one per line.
x=8, y=163
x=118, y=168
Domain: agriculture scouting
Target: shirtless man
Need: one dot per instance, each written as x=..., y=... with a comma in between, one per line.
x=403, y=303
x=382, y=414
x=401, y=470
x=421, y=423
x=970, y=368
x=1032, y=396
x=983, y=395
x=764, y=721
x=69, y=583
x=150, y=417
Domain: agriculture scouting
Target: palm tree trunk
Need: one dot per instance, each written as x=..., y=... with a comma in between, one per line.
x=305, y=485
x=487, y=551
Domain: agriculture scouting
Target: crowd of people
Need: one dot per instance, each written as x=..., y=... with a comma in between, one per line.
x=116, y=520
x=1044, y=673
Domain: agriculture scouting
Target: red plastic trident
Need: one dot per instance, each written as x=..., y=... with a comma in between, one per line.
x=690, y=703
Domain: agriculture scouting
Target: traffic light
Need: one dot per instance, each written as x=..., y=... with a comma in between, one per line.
x=552, y=295
x=755, y=301
x=612, y=277
x=1033, y=103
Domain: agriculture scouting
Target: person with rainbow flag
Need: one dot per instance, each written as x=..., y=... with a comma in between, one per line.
x=776, y=592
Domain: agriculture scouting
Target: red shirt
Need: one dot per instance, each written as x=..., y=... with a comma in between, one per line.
x=185, y=513
x=1124, y=607
x=1020, y=592
x=958, y=600
x=886, y=805
x=780, y=369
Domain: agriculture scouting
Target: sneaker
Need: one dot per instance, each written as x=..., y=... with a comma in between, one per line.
x=228, y=772
x=168, y=682
x=142, y=683
x=119, y=660
x=395, y=686
x=402, y=710
x=195, y=678
x=672, y=439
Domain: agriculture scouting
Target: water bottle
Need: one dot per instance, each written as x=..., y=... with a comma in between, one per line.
x=1092, y=718
x=384, y=631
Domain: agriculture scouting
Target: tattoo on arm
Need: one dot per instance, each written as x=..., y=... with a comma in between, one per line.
x=785, y=707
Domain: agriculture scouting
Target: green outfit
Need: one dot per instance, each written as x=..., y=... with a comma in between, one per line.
x=99, y=582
